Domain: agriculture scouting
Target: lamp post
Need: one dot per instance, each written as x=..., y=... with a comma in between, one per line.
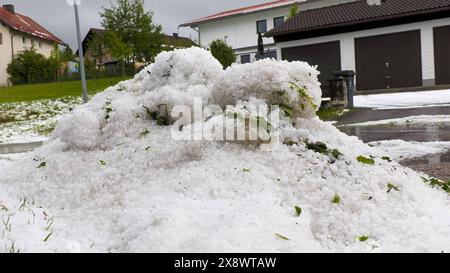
x=75, y=4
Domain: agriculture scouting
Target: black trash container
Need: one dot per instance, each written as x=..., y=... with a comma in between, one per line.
x=349, y=77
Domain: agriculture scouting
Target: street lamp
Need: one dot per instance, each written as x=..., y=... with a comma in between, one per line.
x=75, y=4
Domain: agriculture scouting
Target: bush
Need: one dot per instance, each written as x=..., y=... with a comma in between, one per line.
x=222, y=52
x=31, y=67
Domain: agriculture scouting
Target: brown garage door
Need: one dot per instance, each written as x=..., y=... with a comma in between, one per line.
x=442, y=54
x=327, y=56
x=389, y=61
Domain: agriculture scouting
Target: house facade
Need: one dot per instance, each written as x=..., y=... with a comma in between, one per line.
x=240, y=27
x=397, y=44
x=17, y=33
x=97, y=53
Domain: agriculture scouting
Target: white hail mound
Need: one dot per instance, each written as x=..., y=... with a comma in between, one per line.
x=111, y=178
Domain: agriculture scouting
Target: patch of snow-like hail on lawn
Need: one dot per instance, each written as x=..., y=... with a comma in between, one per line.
x=112, y=179
x=24, y=122
x=404, y=100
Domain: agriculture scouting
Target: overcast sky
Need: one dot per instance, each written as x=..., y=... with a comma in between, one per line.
x=58, y=17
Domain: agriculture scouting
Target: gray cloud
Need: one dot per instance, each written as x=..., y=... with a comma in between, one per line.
x=58, y=17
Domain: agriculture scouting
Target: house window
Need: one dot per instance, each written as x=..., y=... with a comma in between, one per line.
x=1, y=38
x=245, y=59
x=261, y=26
x=278, y=21
x=24, y=40
x=40, y=44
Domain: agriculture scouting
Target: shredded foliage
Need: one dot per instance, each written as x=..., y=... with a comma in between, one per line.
x=392, y=187
x=387, y=158
x=144, y=133
x=434, y=182
x=336, y=199
x=304, y=95
x=363, y=238
x=298, y=211
x=161, y=120
x=366, y=160
x=322, y=148
x=282, y=237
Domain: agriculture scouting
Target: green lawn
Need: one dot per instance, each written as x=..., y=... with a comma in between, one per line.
x=331, y=114
x=32, y=92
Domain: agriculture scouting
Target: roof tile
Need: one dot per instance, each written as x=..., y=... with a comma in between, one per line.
x=273, y=4
x=354, y=12
x=26, y=25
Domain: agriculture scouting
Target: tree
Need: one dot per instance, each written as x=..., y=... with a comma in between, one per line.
x=132, y=25
x=222, y=52
x=30, y=67
x=67, y=55
x=59, y=58
x=118, y=49
x=293, y=11
x=55, y=61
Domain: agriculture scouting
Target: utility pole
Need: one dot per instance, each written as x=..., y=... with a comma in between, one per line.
x=80, y=52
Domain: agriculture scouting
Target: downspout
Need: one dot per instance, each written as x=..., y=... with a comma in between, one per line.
x=12, y=51
x=199, y=38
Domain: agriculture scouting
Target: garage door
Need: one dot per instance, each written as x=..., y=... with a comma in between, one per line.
x=442, y=54
x=389, y=61
x=327, y=56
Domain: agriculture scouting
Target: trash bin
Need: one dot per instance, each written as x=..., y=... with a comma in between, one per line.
x=349, y=77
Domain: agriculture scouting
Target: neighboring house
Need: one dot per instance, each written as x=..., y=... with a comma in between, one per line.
x=103, y=59
x=400, y=43
x=19, y=32
x=175, y=41
x=98, y=55
x=240, y=27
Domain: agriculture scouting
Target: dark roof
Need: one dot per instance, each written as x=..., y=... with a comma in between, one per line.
x=356, y=13
x=168, y=39
x=26, y=25
x=240, y=11
x=89, y=36
x=178, y=40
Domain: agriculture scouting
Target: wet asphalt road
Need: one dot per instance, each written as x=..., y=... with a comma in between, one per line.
x=366, y=114
x=428, y=133
x=435, y=165
x=406, y=133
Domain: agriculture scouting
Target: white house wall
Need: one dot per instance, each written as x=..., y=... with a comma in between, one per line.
x=5, y=49
x=347, y=40
x=240, y=31
x=5, y=55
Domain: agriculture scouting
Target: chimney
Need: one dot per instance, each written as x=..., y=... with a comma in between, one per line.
x=175, y=35
x=9, y=8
